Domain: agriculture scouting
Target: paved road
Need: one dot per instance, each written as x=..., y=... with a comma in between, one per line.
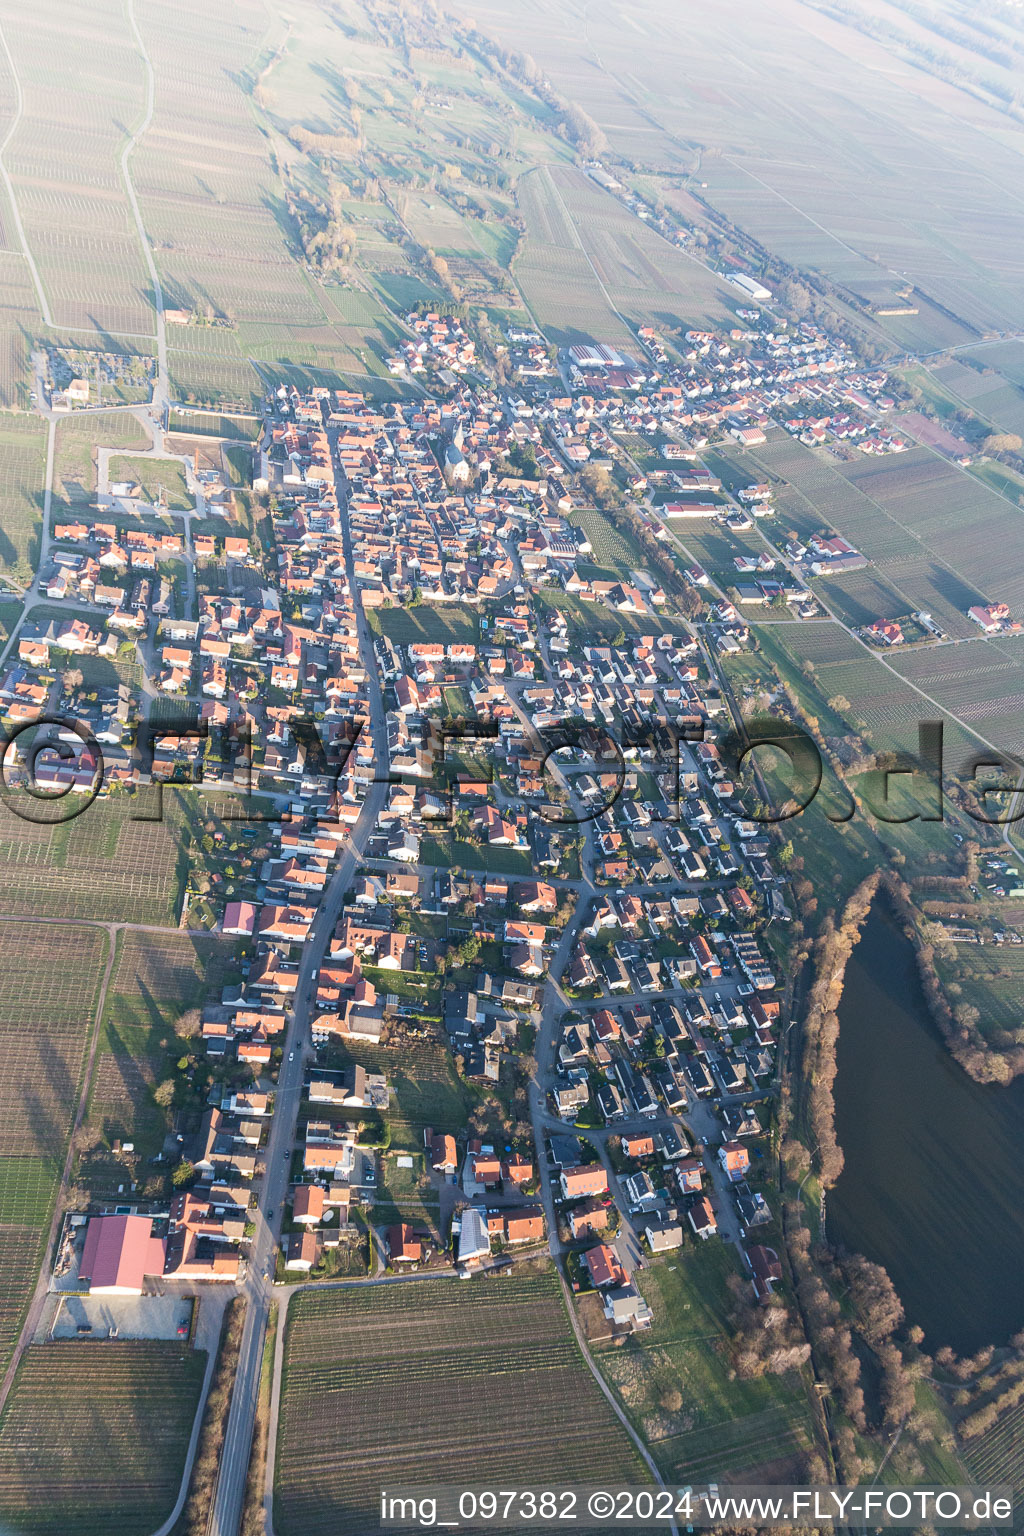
x=238, y=1440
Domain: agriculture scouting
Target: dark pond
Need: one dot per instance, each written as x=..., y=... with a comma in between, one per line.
x=933, y=1184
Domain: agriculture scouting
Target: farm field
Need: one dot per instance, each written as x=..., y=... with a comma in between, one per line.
x=863, y=691
x=997, y=1456
x=716, y=547
x=980, y=681
x=93, y=1436
x=101, y=865
x=986, y=392
x=211, y=217
x=849, y=694
x=444, y=623
x=381, y=1382
x=614, y=550
x=81, y=80
x=963, y=524
x=19, y=312
x=552, y=272
x=753, y=1430
x=213, y=378
x=992, y=978
x=159, y=976
x=998, y=477
x=646, y=278
x=861, y=597
x=23, y=456
x=1007, y=357
x=49, y=979
x=906, y=514
x=792, y=171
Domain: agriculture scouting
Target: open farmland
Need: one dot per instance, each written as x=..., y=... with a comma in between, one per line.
x=553, y=273
x=816, y=495
x=48, y=981
x=984, y=391
x=754, y=1430
x=645, y=277
x=159, y=976
x=93, y=1436
x=82, y=83
x=210, y=213
x=865, y=689
x=19, y=310
x=959, y=521
x=220, y=376
x=23, y=461
x=861, y=597
x=49, y=978
x=102, y=865
x=810, y=175
x=980, y=681
x=380, y=1383
x=905, y=514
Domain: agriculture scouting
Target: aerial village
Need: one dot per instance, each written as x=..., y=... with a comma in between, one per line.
x=593, y=932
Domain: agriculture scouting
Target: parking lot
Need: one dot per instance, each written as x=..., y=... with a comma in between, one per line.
x=123, y=1317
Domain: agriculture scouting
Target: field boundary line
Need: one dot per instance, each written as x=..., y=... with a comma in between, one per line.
x=212, y=1356
x=619, y=1412
x=126, y=154
x=44, y=304
x=41, y=1292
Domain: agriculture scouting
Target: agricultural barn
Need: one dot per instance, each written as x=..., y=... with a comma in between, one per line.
x=120, y=1251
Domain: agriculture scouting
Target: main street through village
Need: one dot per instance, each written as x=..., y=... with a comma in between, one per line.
x=697, y=1126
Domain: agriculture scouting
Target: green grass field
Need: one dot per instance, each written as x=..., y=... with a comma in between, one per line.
x=725, y=1424
x=447, y=623
x=74, y=464
x=425, y=1088
x=157, y=477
